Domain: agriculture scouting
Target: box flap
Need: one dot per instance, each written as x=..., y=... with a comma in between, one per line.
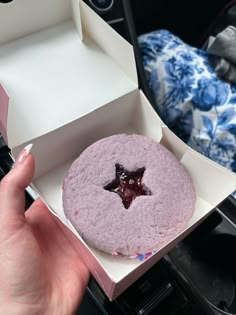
x=50, y=69
x=212, y=181
x=104, y=36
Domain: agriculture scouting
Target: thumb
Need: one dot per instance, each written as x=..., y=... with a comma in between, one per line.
x=12, y=187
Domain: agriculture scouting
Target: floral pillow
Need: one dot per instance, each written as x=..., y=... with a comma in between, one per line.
x=196, y=105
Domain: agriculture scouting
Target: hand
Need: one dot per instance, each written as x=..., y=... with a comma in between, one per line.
x=40, y=272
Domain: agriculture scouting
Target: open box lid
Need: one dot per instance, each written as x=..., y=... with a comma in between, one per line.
x=56, y=55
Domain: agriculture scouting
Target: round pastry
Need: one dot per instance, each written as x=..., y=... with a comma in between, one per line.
x=127, y=194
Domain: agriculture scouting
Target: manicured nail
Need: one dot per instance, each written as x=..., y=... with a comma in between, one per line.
x=23, y=154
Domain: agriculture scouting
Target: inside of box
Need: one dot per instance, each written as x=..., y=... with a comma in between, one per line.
x=52, y=77
x=130, y=113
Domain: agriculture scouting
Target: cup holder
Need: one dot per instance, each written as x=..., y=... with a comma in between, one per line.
x=210, y=265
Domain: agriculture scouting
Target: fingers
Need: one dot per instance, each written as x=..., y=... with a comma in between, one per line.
x=12, y=187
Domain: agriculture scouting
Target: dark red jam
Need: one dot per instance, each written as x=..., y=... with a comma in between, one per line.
x=128, y=185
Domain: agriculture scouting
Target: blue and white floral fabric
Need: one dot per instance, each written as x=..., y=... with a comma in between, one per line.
x=196, y=105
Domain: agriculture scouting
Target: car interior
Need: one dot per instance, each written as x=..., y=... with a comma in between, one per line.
x=198, y=276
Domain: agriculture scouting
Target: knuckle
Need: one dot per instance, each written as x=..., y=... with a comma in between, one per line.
x=4, y=181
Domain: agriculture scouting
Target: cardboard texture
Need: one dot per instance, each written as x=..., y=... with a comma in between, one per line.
x=71, y=80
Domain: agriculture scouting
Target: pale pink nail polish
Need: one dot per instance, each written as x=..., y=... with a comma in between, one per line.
x=23, y=154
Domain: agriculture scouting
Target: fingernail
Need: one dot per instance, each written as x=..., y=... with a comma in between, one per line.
x=23, y=154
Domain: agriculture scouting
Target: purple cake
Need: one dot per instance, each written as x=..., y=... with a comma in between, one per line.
x=128, y=194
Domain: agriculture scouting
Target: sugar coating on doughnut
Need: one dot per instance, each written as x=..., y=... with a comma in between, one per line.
x=151, y=220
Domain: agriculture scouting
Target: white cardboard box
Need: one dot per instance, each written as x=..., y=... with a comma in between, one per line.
x=71, y=80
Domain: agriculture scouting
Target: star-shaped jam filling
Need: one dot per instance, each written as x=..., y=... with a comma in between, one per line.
x=128, y=185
